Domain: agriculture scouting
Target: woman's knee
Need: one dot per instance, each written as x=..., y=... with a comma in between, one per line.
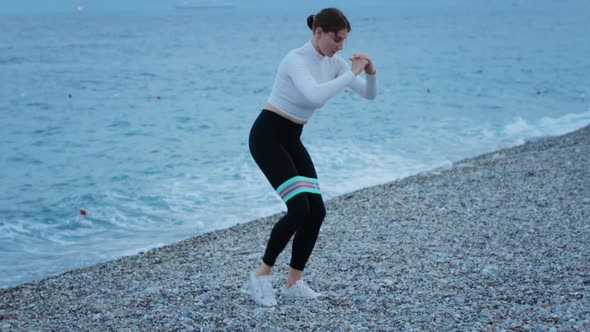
x=318, y=213
x=301, y=210
x=298, y=208
x=317, y=208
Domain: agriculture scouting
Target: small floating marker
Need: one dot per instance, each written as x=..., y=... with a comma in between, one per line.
x=80, y=8
x=83, y=212
x=158, y=97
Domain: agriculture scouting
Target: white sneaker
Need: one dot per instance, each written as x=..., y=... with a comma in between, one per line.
x=299, y=290
x=261, y=290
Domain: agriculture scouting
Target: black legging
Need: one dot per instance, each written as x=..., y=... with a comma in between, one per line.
x=276, y=147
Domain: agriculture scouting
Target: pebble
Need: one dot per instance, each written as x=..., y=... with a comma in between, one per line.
x=254, y=256
x=360, y=299
x=388, y=282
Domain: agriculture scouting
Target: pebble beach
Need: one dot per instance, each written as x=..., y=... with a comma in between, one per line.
x=499, y=242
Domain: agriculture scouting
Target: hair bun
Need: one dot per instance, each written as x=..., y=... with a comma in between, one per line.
x=310, y=20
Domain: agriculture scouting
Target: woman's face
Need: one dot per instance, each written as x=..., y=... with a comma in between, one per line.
x=330, y=43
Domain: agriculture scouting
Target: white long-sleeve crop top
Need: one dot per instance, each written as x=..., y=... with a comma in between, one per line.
x=306, y=79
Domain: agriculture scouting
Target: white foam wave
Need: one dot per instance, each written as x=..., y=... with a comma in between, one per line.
x=521, y=130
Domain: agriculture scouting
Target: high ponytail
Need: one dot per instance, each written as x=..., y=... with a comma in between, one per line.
x=329, y=19
x=310, y=20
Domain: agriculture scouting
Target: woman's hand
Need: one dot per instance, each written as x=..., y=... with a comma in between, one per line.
x=358, y=64
x=370, y=68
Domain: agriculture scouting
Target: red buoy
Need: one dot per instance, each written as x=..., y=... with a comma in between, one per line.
x=83, y=212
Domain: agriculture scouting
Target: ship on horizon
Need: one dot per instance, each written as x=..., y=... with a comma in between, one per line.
x=204, y=4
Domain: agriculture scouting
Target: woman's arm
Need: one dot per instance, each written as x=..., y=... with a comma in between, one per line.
x=365, y=87
x=318, y=94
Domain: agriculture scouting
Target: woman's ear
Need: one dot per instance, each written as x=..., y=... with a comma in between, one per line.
x=318, y=31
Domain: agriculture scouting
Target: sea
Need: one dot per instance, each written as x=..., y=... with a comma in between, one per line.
x=125, y=131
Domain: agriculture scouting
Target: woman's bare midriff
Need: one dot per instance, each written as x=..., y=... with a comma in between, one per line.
x=273, y=109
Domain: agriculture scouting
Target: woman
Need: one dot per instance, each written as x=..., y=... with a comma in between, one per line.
x=306, y=78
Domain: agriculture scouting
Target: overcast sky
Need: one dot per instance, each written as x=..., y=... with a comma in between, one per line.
x=32, y=6
x=15, y=6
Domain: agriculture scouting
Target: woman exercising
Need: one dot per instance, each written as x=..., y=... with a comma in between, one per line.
x=306, y=78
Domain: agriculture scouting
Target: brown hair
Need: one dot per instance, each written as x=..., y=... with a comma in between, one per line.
x=329, y=19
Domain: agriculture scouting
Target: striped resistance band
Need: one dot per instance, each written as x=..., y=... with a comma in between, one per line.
x=297, y=185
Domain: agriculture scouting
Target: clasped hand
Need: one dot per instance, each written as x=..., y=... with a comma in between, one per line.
x=362, y=61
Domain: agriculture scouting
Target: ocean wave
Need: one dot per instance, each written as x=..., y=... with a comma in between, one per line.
x=13, y=60
x=520, y=130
